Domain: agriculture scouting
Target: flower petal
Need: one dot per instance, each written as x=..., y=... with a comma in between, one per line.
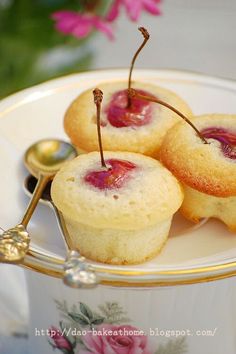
x=82, y=28
x=152, y=7
x=114, y=11
x=59, y=15
x=66, y=21
x=133, y=9
x=103, y=27
x=80, y=25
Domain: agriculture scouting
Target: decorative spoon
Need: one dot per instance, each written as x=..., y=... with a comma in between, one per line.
x=43, y=159
x=77, y=273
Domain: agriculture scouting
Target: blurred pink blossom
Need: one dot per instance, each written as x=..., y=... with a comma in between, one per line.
x=133, y=8
x=80, y=25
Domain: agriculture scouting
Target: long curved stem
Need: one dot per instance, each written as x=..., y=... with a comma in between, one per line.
x=146, y=38
x=98, y=96
x=133, y=93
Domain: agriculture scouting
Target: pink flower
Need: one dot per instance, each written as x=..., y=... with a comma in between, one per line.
x=59, y=340
x=80, y=25
x=110, y=339
x=133, y=8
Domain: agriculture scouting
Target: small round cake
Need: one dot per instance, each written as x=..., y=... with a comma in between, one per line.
x=138, y=127
x=120, y=214
x=208, y=171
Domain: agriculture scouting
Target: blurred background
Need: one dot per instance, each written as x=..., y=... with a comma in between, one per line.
x=42, y=39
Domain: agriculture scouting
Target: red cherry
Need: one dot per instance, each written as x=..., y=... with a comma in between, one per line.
x=119, y=114
x=115, y=176
x=225, y=137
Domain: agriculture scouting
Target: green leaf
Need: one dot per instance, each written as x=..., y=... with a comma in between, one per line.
x=61, y=306
x=85, y=310
x=66, y=351
x=80, y=318
x=114, y=313
x=62, y=327
x=52, y=345
x=98, y=320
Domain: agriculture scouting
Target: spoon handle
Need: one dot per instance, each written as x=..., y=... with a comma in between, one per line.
x=40, y=186
x=62, y=226
x=77, y=273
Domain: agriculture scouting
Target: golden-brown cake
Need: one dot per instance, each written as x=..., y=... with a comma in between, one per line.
x=118, y=215
x=198, y=205
x=208, y=171
x=140, y=128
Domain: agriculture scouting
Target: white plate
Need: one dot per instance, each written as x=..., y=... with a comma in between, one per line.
x=37, y=113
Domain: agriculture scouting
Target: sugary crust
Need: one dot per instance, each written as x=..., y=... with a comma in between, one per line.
x=199, y=205
x=201, y=166
x=151, y=195
x=80, y=121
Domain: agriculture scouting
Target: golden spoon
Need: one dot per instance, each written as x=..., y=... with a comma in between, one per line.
x=77, y=273
x=43, y=159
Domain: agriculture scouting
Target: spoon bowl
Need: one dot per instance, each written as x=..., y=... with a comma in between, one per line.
x=47, y=156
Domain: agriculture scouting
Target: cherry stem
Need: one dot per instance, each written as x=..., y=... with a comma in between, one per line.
x=133, y=93
x=98, y=96
x=146, y=36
